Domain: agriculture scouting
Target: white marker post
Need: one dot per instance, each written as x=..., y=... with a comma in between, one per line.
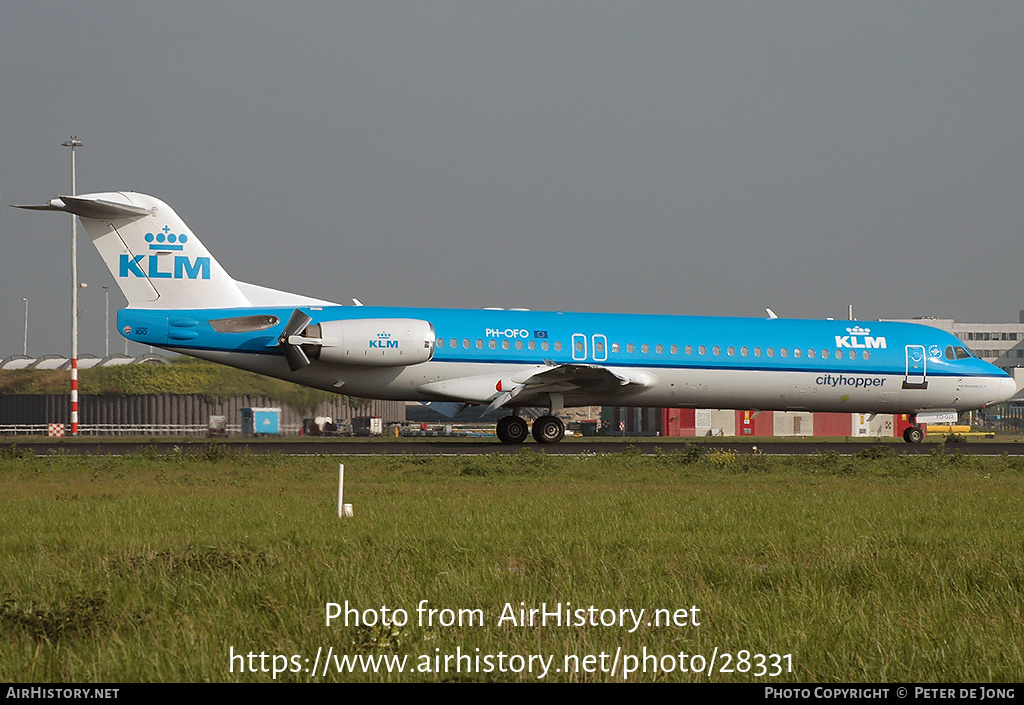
x=344, y=510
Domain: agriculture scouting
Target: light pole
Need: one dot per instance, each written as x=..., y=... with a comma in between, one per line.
x=106, y=324
x=74, y=142
x=24, y=347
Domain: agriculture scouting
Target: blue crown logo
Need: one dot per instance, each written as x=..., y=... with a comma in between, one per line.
x=166, y=240
x=384, y=334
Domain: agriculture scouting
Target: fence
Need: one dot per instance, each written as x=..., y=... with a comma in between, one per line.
x=166, y=414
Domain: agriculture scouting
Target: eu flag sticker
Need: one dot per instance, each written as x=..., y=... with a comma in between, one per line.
x=540, y=334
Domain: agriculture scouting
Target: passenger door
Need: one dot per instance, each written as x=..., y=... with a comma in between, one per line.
x=917, y=363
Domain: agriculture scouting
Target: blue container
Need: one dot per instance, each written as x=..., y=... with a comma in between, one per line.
x=261, y=422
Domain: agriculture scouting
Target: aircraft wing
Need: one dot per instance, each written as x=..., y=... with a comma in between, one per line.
x=531, y=386
x=567, y=379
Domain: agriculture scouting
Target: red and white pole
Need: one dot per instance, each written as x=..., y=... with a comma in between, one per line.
x=74, y=396
x=74, y=142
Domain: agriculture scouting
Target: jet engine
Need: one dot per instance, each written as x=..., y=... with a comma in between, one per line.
x=374, y=342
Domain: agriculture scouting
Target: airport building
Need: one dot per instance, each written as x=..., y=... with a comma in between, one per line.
x=1002, y=344
x=627, y=421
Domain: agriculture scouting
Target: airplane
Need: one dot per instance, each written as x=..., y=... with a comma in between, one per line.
x=181, y=299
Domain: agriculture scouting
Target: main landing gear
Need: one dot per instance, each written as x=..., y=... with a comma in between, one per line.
x=546, y=429
x=512, y=429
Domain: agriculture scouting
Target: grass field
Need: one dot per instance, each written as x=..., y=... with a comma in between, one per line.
x=876, y=567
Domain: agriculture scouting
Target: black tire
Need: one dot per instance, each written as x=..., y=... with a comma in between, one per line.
x=548, y=429
x=512, y=429
x=913, y=435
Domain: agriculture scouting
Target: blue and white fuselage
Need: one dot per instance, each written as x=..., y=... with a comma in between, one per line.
x=182, y=300
x=663, y=361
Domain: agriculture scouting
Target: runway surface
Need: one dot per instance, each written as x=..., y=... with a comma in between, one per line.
x=379, y=446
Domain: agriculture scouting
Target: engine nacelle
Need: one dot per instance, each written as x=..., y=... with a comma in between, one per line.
x=376, y=342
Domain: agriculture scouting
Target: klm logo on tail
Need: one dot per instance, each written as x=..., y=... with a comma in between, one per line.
x=165, y=241
x=153, y=266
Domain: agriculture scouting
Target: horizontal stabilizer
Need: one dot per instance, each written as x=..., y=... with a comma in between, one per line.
x=94, y=208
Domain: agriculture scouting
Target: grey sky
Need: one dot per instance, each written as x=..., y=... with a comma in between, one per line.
x=666, y=157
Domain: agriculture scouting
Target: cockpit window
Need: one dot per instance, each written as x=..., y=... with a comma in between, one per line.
x=962, y=353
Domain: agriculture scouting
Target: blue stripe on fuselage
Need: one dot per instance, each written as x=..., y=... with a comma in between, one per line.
x=598, y=338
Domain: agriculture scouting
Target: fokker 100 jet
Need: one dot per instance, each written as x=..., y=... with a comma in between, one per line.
x=181, y=299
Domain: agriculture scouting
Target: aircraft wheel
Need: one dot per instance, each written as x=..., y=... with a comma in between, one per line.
x=512, y=429
x=913, y=434
x=548, y=429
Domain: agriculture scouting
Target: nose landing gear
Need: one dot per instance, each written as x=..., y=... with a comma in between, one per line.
x=912, y=434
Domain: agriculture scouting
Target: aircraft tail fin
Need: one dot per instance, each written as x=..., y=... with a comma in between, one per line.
x=155, y=258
